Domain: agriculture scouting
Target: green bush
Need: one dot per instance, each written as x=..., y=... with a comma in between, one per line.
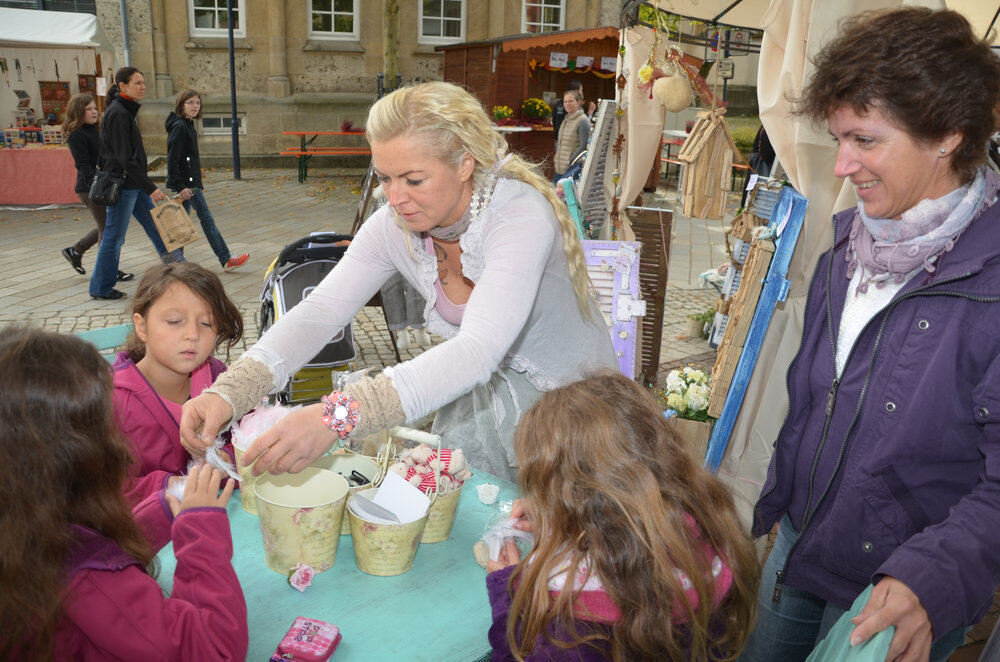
x=743, y=136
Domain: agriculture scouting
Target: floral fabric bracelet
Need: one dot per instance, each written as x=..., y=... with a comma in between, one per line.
x=340, y=413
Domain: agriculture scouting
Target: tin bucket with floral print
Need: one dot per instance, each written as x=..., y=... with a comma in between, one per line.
x=344, y=463
x=441, y=515
x=300, y=518
x=384, y=549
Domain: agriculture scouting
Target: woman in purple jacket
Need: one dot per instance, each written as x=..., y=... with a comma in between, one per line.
x=887, y=468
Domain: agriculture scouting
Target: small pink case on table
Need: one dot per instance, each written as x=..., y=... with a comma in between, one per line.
x=308, y=640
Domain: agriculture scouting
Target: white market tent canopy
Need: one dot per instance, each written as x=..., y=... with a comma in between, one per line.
x=51, y=29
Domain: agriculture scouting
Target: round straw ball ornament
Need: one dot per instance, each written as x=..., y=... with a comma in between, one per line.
x=673, y=92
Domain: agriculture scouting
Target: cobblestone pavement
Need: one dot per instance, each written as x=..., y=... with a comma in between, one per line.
x=259, y=214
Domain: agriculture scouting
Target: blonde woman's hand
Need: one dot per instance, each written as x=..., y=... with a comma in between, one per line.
x=202, y=490
x=184, y=194
x=509, y=555
x=158, y=195
x=292, y=443
x=201, y=419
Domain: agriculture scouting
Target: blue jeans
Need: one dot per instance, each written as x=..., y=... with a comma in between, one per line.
x=790, y=629
x=208, y=225
x=132, y=203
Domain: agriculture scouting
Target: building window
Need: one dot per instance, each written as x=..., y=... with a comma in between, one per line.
x=221, y=124
x=209, y=18
x=442, y=21
x=334, y=19
x=543, y=15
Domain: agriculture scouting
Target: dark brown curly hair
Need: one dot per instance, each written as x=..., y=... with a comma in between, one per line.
x=924, y=69
x=610, y=484
x=226, y=317
x=64, y=462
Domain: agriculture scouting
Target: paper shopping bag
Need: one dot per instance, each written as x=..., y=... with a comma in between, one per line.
x=174, y=225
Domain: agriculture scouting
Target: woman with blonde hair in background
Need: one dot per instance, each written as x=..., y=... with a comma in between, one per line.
x=483, y=238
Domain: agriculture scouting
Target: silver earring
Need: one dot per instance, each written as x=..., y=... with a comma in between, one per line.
x=944, y=151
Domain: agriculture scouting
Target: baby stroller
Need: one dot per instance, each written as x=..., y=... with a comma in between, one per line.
x=296, y=271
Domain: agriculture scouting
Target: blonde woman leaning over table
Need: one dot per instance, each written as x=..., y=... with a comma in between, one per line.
x=480, y=234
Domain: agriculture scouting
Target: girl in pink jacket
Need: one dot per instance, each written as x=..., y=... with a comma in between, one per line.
x=182, y=316
x=75, y=559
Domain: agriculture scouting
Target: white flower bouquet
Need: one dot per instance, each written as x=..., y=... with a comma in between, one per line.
x=686, y=394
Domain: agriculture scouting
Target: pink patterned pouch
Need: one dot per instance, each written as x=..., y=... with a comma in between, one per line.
x=308, y=640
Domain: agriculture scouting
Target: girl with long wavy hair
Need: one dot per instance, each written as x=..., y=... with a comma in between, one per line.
x=74, y=560
x=639, y=554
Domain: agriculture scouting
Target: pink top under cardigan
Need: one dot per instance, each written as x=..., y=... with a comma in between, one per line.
x=451, y=312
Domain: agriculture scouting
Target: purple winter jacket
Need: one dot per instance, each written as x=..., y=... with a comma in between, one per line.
x=545, y=651
x=894, y=468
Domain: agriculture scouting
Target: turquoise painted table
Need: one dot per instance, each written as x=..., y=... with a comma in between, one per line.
x=438, y=611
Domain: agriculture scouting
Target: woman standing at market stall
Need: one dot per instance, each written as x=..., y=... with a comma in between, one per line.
x=184, y=173
x=81, y=132
x=122, y=151
x=480, y=234
x=574, y=131
x=887, y=468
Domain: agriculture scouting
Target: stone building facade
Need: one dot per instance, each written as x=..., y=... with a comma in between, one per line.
x=304, y=64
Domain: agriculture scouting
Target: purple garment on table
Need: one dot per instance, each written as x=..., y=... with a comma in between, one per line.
x=902, y=477
x=500, y=599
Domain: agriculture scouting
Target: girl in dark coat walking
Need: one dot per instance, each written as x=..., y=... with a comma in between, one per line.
x=184, y=173
x=82, y=131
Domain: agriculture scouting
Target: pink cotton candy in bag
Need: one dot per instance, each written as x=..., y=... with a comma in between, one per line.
x=308, y=640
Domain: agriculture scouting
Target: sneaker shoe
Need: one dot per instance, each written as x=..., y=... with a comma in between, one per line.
x=113, y=295
x=237, y=261
x=403, y=339
x=123, y=276
x=74, y=258
x=422, y=337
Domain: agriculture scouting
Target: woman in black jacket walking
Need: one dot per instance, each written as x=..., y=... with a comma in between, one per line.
x=184, y=173
x=81, y=134
x=122, y=151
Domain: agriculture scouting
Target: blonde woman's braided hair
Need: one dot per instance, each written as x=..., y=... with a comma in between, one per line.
x=452, y=124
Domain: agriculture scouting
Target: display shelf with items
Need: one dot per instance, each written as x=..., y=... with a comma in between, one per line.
x=52, y=135
x=14, y=137
x=22, y=117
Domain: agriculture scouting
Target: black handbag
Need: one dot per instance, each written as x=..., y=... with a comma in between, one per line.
x=106, y=189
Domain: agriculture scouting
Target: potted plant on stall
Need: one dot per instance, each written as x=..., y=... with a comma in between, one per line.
x=685, y=397
x=503, y=115
x=698, y=324
x=536, y=111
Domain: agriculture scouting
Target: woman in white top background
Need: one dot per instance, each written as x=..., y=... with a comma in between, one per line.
x=480, y=233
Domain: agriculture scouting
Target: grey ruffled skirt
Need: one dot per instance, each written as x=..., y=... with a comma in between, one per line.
x=482, y=422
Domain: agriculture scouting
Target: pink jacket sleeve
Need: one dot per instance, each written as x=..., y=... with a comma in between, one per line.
x=155, y=519
x=122, y=615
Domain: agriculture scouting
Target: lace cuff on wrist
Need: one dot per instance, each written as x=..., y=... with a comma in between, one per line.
x=243, y=386
x=380, y=407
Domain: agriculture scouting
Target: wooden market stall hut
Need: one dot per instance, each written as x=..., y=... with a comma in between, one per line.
x=508, y=70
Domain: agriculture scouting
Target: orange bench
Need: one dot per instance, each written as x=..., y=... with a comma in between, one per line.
x=304, y=151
